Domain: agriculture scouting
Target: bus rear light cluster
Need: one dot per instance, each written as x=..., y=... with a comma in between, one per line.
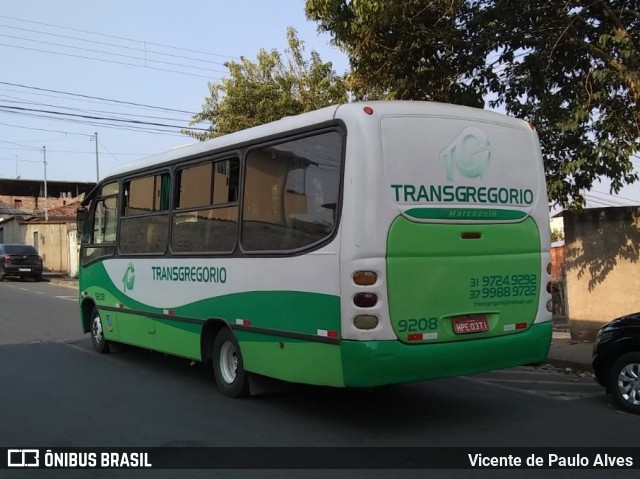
x=549, y=268
x=365, y=300
x=365, y=321
x=549, y=287
x=550, y=306
x=365, y=278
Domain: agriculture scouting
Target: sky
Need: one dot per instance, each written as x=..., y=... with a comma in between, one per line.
x=52, y=52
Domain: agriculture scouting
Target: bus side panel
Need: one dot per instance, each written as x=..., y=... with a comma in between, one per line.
x=281, y=333
x=178, y=337
x=292, y=360
x=267, y=323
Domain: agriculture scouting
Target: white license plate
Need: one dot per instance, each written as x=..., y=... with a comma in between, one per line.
x=24, y=270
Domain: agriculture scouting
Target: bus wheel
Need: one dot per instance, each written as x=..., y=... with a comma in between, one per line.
x=98, y=340
x=232, y=379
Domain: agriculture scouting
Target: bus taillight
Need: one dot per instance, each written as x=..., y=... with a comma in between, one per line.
x=365, y=278
x=365, y=300
x=365, y=321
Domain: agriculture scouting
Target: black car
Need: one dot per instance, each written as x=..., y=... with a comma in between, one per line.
x=20, y=260
x=616, y=360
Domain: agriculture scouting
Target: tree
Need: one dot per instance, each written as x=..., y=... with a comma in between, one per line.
x=571, y=68
x=269, y=89
x=413, y=49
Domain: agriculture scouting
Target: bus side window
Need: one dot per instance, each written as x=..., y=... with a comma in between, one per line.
x=145, y=225
x=291, y=191
x=205, y=218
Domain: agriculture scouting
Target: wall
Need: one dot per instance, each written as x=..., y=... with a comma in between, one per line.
x=602, y=248
x=52, y=242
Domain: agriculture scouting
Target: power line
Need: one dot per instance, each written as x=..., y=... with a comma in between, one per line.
x=110, y=53
x=95, y=102
x=67, y=151
x=614, y=196
x=108, y=61
x=23, y=101
x=91, y=117
x=44, y=129
x=149, y=130
x=607, y=201
x=112, y=154
x=95, y=97
x=18, y=144
x=144, y=50
x=117, y=37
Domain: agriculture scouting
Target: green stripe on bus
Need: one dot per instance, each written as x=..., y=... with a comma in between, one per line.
x=292, y=311
x=471, y=214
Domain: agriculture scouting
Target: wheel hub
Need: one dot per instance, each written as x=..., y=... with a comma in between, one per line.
x=228, y=362
x=629, y=383
x=97, y=330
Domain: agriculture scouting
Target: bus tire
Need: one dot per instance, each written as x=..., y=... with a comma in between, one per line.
x=98, y=340
x=228, y=368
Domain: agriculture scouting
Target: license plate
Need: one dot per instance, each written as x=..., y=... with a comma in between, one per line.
x=24, y=270
x=470, y=324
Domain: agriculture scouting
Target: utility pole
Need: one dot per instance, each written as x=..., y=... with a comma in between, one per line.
x=46, y=204
x=97, y=164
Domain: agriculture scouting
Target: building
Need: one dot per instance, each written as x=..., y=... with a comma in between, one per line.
x=47, y=224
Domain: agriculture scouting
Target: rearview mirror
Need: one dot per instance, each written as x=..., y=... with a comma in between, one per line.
x=81, y=215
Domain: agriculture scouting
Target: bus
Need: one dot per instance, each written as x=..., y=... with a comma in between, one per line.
x=358, y=245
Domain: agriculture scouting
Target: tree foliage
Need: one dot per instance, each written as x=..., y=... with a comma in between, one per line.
x=570, y=67
x=269, y=89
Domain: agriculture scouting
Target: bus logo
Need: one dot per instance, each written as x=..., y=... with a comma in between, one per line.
x=469, y=153
x=129, y=278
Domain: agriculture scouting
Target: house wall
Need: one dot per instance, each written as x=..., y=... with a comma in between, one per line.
x=52, y=241
x=602, y=247
x=11, y=232
x=52, y=244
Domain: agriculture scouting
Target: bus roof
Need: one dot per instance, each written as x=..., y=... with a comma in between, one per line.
x=291, y=123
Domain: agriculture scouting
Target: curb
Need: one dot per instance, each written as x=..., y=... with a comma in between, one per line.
x=61, y=282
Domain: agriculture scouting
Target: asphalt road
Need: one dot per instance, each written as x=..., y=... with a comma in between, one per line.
x=55, y=391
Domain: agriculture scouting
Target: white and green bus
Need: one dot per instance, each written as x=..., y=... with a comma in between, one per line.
x=355, y=246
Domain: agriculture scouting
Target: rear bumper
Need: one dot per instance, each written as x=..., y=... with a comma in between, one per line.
x=368, y=364
x=27, y=271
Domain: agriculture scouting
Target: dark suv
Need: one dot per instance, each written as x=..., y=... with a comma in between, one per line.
x=616, y=360
x=20, y=260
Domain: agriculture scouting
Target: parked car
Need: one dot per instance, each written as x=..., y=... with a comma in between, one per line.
x=20, y=260
x=616, y=360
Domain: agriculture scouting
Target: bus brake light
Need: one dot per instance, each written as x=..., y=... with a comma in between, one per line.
x=365, y=300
